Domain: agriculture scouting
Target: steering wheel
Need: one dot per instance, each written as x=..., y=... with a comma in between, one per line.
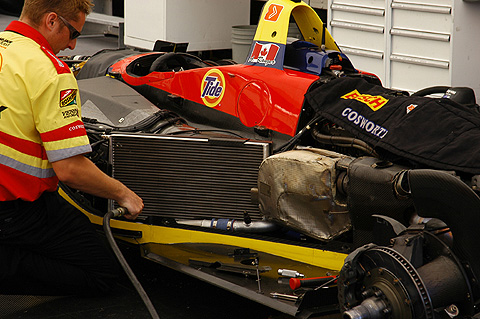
x=461, y=95
x=164, y=62
x=431, y=90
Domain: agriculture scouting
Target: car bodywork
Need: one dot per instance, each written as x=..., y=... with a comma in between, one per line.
x=287, y=166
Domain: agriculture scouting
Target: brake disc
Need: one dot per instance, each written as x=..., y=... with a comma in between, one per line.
x=382, y=277
x=379, y=282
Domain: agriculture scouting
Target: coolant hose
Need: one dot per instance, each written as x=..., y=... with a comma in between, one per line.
x=111, y=240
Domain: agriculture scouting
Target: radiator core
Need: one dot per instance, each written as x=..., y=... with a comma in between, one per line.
x=187, y=177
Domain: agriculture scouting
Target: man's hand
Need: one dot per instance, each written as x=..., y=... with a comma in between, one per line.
x=80, y=173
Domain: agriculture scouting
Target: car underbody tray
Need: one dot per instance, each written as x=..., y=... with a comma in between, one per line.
x=250, y=274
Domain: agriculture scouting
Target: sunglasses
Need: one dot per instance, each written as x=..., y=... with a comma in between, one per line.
x=74, y=33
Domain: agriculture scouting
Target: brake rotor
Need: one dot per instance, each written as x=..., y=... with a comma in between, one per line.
x=379, y=282
x=383, y=277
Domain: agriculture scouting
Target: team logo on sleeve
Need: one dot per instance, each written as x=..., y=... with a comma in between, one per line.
x=68, y=97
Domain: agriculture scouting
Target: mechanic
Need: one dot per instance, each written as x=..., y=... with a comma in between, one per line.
x=47, y=247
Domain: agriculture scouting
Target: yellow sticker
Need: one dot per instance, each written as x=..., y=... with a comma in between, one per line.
x=375, y=102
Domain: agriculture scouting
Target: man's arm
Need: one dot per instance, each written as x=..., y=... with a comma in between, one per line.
x=80, y=173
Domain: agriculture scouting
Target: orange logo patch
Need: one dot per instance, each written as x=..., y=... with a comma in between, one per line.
x=273, y=12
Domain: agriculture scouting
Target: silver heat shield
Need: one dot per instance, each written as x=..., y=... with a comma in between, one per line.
x=189, y=177
x=297, y=188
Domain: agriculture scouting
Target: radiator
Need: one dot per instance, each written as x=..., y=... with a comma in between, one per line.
x=189, y=177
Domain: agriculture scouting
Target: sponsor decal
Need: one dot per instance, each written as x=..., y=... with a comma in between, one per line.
x=70, y=113
x=264, y=53
x=68, y=97
x=213, y=87
x=411, y=107
x=374, y=102
x=4, y=42
x=2, y=108
x=364, y=123
x=76, y=127
x=273, y=12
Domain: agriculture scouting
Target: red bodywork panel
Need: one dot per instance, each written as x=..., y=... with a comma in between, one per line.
x=258, y=96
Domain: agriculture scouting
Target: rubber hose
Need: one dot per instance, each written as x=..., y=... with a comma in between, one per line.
x=123, y=262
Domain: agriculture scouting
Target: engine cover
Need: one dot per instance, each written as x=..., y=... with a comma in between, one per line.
x=298, y=188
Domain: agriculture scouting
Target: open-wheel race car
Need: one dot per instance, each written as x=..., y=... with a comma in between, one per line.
x=292, y=179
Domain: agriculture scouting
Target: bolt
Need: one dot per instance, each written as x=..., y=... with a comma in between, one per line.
x=452, y=311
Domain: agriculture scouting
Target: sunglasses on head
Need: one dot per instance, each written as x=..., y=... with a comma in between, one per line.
x=74, y=33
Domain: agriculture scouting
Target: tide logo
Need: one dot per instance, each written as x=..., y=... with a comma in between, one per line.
x=213, y=87
x=264, y=53
x=374, y=102
x=273, y=12
x=68, y=97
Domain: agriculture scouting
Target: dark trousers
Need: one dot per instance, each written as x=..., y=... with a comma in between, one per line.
x=48, y=247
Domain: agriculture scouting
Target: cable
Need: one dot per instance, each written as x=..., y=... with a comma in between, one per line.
x=290, y=144
x=111, y=240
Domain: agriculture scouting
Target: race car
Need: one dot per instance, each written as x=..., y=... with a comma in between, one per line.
x=292, y=179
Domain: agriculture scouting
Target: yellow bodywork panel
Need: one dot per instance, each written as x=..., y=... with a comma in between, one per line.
x=168, y=235
x=274, y=22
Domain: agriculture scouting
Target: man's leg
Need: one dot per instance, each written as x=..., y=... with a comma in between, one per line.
x=60, y=255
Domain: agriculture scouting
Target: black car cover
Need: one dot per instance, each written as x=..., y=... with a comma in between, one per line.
x=434, y=132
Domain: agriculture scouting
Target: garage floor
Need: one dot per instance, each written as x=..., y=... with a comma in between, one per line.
x=173, y=294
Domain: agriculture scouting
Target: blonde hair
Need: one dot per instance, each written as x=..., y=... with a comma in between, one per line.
x=34, y=10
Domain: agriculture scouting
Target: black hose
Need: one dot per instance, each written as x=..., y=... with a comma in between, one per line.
x=111, y=240
x=343, y=141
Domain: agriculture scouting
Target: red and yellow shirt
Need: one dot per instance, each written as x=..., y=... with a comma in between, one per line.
x=40, y=119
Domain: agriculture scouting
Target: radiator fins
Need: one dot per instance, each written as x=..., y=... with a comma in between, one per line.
x=180, y=177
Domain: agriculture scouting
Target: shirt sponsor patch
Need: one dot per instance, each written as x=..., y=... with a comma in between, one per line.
x=68, y=97
x=5, y=42
x=70, y=113
x=375, y=102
